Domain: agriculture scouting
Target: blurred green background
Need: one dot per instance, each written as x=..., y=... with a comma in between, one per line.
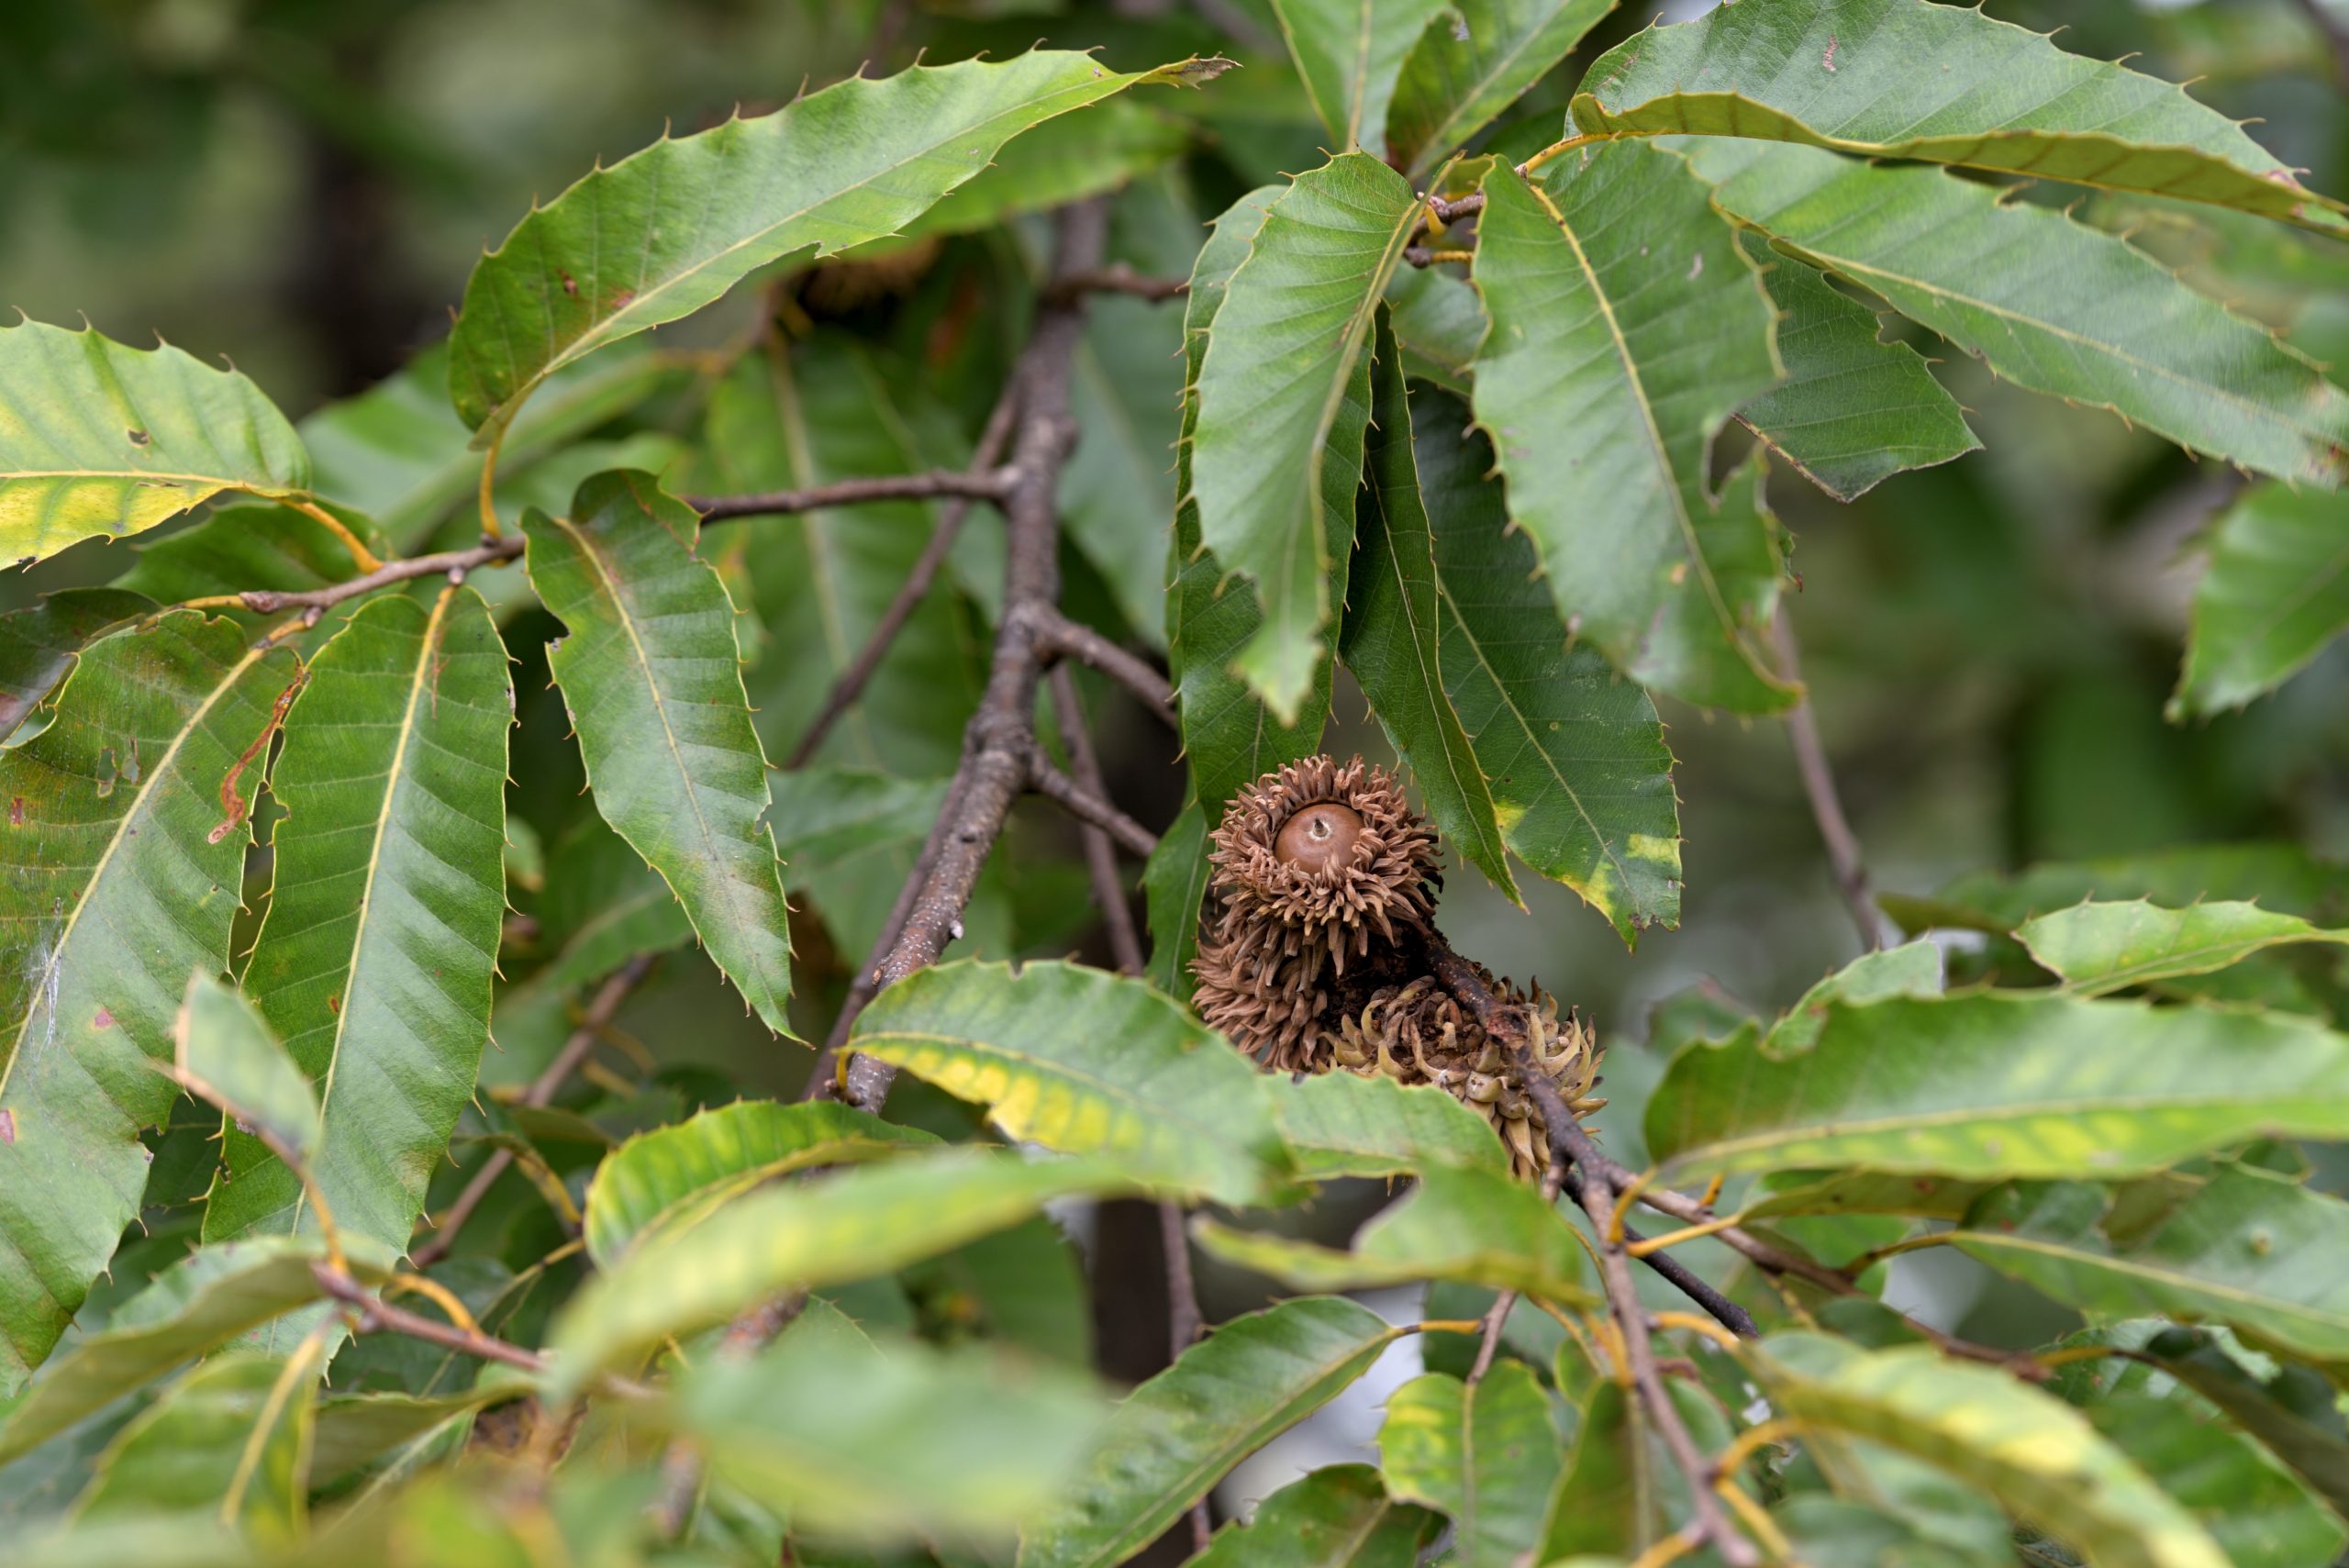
x=301, y=185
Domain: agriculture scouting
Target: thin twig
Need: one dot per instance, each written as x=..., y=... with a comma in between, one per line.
x=680, y=1466
x=542, y=1092
x=375, y=1315
x=980, y=485
x=1088, y=807
x=999, y=740
x=1496, y=1324
x=1826, y=808
x=270, y=601
x=1118, y=278
x=1570, y=1143
x=1058, y=636
x=910, y=593
x=1100, y=861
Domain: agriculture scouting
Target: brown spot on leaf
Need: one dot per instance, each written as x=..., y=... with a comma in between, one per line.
x=334, y=1005
x=570, y=285
x=15, y=811
x=103, y=1020
x=8, y=1127
x=139, y=438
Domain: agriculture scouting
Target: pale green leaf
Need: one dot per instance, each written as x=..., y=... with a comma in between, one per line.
x=101, y=440
x=2002, y=1085
x=2039, y=1457
x=1175, y=1436
x=354, y=1431
x=1338, y=1516
x=39, y=645
x=1471, y=1226
x=2052, y=306
x=1087, y=1062
x=1344, y=1124
x=1912, y=969
x=204, y=1300
x=649, y=674
x=1616, y=1490
x=1349, y=52
x=1574, y=754
x=1061, y=160
x=1854, y=76
x=225, y=1055
x=229, y=1440
x=1853, y=410
x=668, y=1178
x=2249, y=1249
x=1486, y=1456
x=1283, y=397
x=1474, y=58
x=2280, y=876
x=894, y=1439
x=2098, y=948
x=2291, y=1410
x=2275, y=593
x=374, y=964
x=1390, y=639
x=1439, y=323
x=1627, y=327
x=118, y=880
x=669, y=231
x=848, y=1227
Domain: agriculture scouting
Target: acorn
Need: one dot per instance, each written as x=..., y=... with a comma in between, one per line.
x=1316, y=953
x=1314, y=867
x=1418, y=1033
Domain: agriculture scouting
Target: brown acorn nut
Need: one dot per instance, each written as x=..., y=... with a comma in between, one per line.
x=1315, y=866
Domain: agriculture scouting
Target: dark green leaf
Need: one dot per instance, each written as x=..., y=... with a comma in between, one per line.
x=237, y=549
x=1575, y=757
x=649, y=677
x=1338, y=1516
x=2275, y=591
x=374, y=964
x=1993, y=1085
x=38, y=646
x=1228, y=736
x=1486, y=1456
x=1441, y=324
x=2002, y=99
x=1176, y=1435
x=2280, y=876
x=1390, y=639
x=1088, y=1062
x=668, y=1179
x=1174, y=883
x=1853, y=410
x=2291, y=1410
x=119, y=872
x=1474, y=58
x=2051, y=306
x=1283, y=400
x=1349, y=52
x=2259, y=1515
x=104, y=440
x=665, y=232
x=1627, y=327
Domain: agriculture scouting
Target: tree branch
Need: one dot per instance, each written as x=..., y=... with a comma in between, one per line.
x=1087, y=806
x=375, y=1315
x=912, y=592
x=1826, y=807
x=999, y=740
x=542, y=1090
x=1118, y=278
x=975, y=483
x=455, y=563
x=1057, y=637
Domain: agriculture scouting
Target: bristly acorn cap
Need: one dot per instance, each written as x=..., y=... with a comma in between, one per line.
x=1311, y=863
